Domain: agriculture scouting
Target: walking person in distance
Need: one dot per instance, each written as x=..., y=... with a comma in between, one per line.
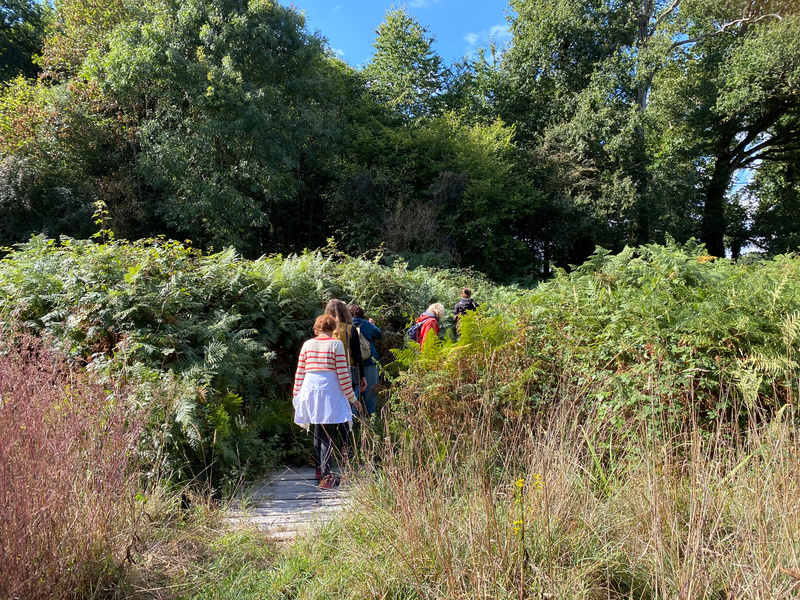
x=465, y=304
x=427, y=322
x=371, y=332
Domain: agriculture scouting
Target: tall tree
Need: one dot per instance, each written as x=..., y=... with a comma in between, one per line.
x=644, y=99
x=405, y=73
x=229, y=98
x=731, y=96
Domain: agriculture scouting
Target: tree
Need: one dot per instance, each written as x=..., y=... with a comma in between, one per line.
x=652, y=100
x=79, y=26
x=405, y=73
x=732, y=98
x=570, y=87
x=22, y=28
x=470, y=87
x=776, y=219
x=62, y=149
x=229, y=98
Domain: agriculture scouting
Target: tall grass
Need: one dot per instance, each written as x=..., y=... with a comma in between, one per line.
x=67, y=478
x=556, y=508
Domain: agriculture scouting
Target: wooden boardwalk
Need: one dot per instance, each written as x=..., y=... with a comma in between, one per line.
x=287, y=502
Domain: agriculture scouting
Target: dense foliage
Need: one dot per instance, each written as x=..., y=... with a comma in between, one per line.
x=210, y=341
x=22, y=31
x=627, y=430
x=656, y=335
x=648, y=394
x=601, y=123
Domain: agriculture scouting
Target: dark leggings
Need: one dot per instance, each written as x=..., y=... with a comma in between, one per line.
x=323, y=445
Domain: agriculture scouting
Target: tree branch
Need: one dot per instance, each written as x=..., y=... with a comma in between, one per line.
x=664, y=15
x=724, y=29
x=773, y=155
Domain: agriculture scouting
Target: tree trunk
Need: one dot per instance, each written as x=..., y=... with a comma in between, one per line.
x=641, y=216
x=713, y=225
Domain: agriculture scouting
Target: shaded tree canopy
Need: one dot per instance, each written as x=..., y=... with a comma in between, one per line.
x=602, y=122
x=22, y=30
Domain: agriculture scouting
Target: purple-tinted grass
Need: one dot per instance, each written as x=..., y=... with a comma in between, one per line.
x=67, y=480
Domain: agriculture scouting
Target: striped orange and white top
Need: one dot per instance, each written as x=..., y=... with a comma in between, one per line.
x=324, y=354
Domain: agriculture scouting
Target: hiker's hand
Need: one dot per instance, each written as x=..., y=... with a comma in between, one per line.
x=363, y=385
x=358, y=406
x=371, y=320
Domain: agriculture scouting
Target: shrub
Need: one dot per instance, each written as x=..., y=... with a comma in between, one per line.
x=67, y=479
x=209, y=341
x=658, y=334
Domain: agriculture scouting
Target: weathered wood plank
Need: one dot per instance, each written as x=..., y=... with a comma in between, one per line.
x=278, y=494
x=298, y=506
x=292, y=483
x=305, y=473
x=287, y=502
x=287, y=519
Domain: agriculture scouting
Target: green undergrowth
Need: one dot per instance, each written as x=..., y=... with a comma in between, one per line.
x=655, y=334
x=627, y=431
x=209, y=341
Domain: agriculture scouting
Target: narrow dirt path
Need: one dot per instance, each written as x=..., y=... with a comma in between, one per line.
x=288, y=502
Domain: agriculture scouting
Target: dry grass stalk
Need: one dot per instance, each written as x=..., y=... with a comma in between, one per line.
x=67, y=449
x=618, y=514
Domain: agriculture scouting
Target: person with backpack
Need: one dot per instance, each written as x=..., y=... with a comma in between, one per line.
x=323, y=393
x=466, y=303
x=347, y=333
x=427, y=322
x=369, y=332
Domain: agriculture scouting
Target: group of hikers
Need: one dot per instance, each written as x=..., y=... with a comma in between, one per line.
x=338, y=369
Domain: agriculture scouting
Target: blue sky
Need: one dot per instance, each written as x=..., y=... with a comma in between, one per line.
x=460, y=26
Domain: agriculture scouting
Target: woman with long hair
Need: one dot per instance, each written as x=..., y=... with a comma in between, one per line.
x=323, y=393
x=347, y=333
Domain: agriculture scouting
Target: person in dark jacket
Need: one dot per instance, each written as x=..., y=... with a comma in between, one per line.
x=347, y=333
x=466, y=303
x=371, y=332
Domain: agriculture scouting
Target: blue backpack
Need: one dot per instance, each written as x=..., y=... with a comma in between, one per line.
x=413, y=332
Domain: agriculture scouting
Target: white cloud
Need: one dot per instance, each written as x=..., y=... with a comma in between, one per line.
x=497, y=33
x=423, y=3
x=338, y=8
x=337, y=52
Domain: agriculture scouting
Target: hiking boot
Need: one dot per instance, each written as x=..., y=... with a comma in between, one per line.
x=328, y=483
x=318, y=474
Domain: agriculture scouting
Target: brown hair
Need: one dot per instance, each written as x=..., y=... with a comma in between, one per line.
x=324, y=324
x=338, y=311
x=466, y=293
x=356, y=311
